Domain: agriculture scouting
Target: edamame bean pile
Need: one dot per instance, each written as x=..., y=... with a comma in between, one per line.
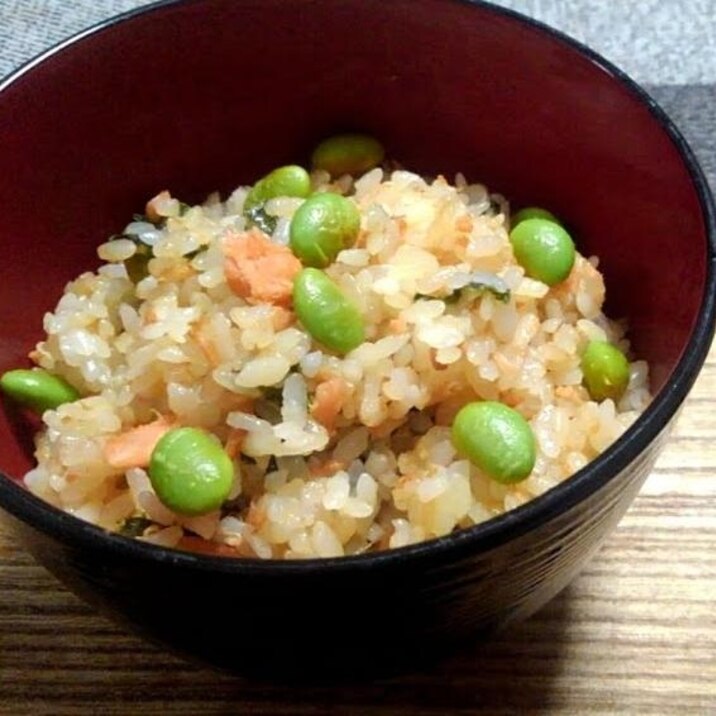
x=342, y=357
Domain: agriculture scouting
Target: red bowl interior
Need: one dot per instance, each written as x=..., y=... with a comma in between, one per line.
x=207, y=94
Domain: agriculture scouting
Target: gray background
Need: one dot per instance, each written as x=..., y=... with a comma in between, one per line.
x=656, y=41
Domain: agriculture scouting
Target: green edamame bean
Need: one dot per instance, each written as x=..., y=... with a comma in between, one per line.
x=606, y=371
x=37, y=389
x=543, y=249
x=497, y=439
x=348, y=154
x=290, y=180
x=326, y=313
x=322, y=226
x=533, y=212
x=190, y=472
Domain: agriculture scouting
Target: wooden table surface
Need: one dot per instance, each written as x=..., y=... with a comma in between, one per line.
x=634, y=634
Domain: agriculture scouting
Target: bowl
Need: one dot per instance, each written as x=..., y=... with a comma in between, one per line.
x=207, y=94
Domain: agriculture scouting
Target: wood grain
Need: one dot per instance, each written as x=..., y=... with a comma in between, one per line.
x=634, y=634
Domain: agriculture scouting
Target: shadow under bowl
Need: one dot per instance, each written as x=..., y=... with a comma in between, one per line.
x=207, y=94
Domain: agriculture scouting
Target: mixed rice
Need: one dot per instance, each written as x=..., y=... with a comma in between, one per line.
x=333, y=454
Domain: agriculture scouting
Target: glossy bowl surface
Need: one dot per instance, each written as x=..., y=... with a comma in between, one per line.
x=206, y=94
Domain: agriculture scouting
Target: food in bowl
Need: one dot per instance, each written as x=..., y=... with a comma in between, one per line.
x=326, y=364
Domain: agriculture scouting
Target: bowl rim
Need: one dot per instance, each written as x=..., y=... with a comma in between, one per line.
x=55, y=523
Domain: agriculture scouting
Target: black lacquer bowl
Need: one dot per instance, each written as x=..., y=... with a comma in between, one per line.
x=206, y=94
